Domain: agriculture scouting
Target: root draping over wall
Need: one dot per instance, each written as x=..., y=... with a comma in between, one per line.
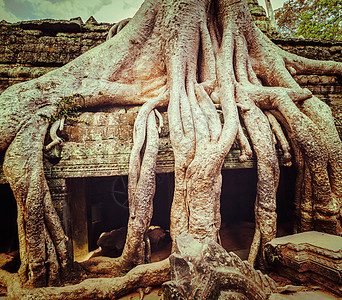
x=199, y=59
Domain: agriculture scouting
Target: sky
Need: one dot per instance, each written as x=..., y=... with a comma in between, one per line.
x=109, y=11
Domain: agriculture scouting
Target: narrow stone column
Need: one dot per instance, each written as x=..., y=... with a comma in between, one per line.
x=60, y=198
x=78, y=213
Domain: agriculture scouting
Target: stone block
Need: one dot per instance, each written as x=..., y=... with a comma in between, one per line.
x=310, y=257
x=205, y=270
x=335, y=49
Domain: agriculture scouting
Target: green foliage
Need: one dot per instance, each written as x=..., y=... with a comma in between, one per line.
x=311, y=19
x=272, y=254
x=68, y=108
x=9, y=29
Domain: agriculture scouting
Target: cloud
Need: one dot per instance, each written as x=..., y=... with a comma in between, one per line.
x=126, y=5
x=68, y=9
x=52, y=9
x=118, y=10
x=129, y=4
x=5, y=14
x=99, y=4
x=110, y=11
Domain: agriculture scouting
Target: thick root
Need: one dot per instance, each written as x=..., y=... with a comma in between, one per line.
x=246, y=150
x=281, y=138
x=43, y=249
x=58, y=125
x=141, y=193
x=317, y=139
x=268, y=177
x=139, y=136
x=115, y=29
x=101, y=288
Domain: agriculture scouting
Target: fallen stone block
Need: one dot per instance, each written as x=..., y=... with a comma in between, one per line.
x=205, y=270
x=308, y=258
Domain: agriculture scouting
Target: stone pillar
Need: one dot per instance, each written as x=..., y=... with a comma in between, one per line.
x=60, y=199
x=77, y=188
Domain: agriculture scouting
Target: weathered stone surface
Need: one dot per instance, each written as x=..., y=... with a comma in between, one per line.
x=112, y=243
x=50, y=43
x=315, y=49
x=10, y=262
x=21, y=73
x=75, y=214
x=308, y=257
x=204, y=270
x=100, y=144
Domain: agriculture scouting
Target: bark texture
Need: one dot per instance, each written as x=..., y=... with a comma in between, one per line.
x=203, y=60
x=204, y=270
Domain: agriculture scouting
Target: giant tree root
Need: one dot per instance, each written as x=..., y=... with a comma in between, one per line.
x=193, y=56
x=204, y=270
x=43, y=245
x=97, y=288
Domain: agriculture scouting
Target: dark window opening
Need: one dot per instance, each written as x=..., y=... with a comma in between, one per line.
x=9, y=243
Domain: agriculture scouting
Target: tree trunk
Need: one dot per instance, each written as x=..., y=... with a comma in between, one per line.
x=200, y=59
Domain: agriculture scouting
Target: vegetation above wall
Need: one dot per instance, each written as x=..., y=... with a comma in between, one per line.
x=311, y=19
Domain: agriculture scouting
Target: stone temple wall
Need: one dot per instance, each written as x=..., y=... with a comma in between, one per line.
x=30, y=49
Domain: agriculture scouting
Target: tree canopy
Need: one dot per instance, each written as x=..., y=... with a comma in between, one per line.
x=311, y=19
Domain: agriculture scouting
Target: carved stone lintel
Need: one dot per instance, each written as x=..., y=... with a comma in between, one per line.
x=205, y=270
x=308, y=257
